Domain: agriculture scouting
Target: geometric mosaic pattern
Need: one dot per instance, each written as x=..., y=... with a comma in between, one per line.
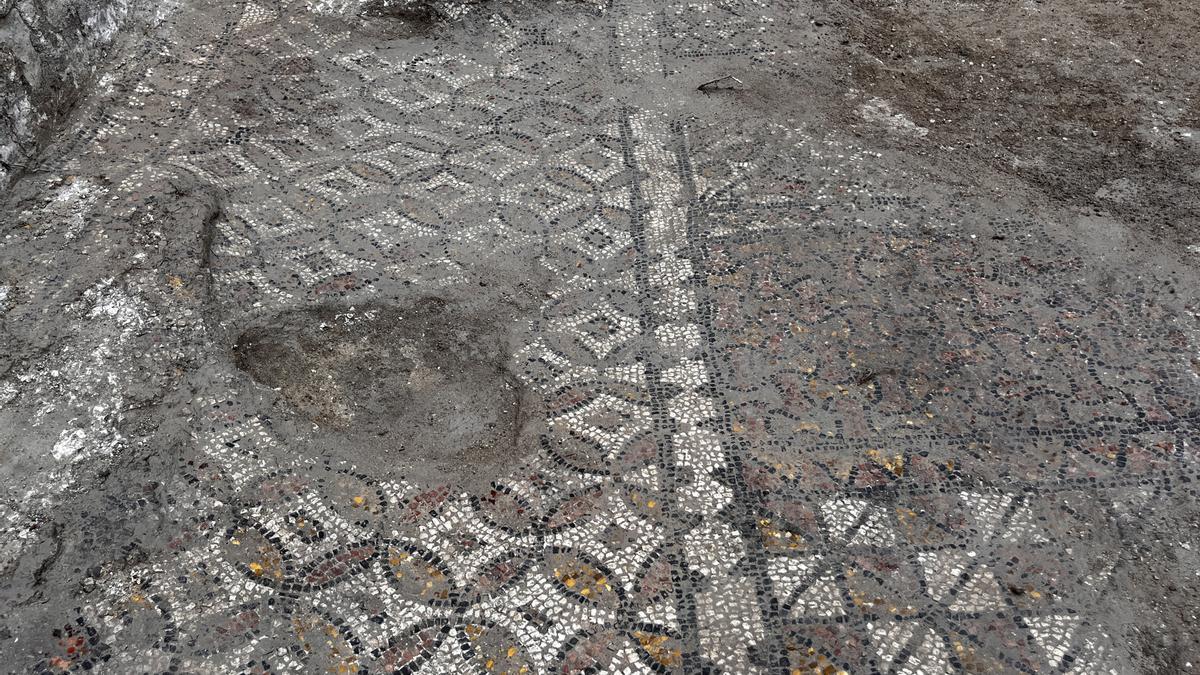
x=793, y=418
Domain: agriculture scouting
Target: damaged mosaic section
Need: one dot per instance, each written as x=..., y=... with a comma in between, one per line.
x=406, y=389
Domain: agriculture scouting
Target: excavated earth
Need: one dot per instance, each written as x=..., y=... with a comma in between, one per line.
x=599, y=336
x=424, y=387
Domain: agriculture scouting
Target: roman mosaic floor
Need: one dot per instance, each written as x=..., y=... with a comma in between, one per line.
x=496, y=346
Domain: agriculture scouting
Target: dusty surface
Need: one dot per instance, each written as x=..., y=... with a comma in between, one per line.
x=1094, y=104
x=399, y=389
x=50, y=53
x=478, y=337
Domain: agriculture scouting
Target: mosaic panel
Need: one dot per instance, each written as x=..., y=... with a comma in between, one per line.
x=780, y=413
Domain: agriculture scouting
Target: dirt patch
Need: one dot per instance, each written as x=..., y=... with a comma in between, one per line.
x=399, y=9
x=1156, y=572
x=396, y=19
x=422, y=390
x=1093, y=103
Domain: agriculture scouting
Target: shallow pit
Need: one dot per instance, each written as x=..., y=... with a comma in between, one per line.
x=422, y=391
